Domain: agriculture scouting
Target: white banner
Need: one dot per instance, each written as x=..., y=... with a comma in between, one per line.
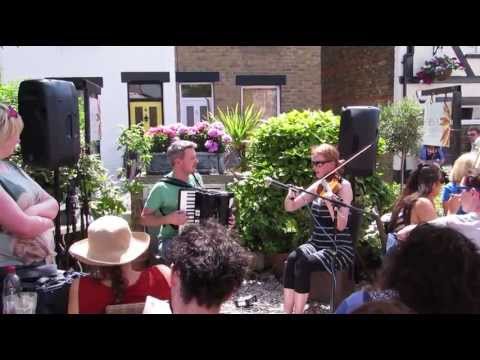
x=437, y=123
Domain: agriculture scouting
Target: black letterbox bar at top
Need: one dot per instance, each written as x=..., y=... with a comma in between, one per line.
x=261, y=80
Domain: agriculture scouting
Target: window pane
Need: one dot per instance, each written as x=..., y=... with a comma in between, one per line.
x=263, y=99
x=152, y=112
x=196, y=90
x=190, y=118
x=144, y=91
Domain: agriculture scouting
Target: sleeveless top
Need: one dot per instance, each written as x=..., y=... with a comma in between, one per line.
x=26, y=192
x=323, y=234
x=94, y=296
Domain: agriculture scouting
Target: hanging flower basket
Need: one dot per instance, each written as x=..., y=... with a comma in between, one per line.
x=438, y=68
x=443, y=74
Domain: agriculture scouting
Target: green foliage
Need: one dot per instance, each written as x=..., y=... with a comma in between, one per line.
x=239, y=125
x=401, y=125
x=9, y=93
x=280, y=149
x=134, y=141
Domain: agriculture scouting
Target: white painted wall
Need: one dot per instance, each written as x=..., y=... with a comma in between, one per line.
x=34, y=62
x=423, y=53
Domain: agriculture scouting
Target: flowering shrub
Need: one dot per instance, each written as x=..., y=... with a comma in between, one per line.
x=209, y=137
x=438, y=66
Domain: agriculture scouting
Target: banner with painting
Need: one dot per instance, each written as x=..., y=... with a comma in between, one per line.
x=437, y=123
x=95, y=124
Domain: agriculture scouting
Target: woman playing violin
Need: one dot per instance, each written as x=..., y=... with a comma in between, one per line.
x=316, y=253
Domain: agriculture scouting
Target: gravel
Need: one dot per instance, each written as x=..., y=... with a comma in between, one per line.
x=269, y=293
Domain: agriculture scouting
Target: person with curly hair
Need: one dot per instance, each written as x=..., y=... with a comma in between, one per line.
x=209, y=265
x=436, y=271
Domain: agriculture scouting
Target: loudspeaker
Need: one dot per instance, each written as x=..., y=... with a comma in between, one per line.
x=359, y=128
x=51, y=136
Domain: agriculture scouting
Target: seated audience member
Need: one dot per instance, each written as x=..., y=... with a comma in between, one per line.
x=468, y=224
x=418, y=206
x=109, y=252
x=432, y=155
x=435, y=271
x=209, y=265
x=382, y=307
x=451, y=191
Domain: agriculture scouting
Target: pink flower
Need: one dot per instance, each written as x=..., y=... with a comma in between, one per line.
x=211, y=145
x=154, y=131
x=217, y=125
x=182, y=130
x=214, y=133
x=192, y=130
x=202, y=125
x=227, y=139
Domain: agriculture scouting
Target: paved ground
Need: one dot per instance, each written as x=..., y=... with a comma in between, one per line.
x=269, y=293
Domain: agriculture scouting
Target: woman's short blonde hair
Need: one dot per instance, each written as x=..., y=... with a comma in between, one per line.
x=9, y=126
x=330, y=152
x=462, y=166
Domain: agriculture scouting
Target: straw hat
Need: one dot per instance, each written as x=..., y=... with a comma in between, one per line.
x=110, y=242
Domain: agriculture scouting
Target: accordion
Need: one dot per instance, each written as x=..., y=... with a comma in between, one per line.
x=200, y=205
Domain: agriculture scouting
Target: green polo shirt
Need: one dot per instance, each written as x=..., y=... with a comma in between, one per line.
x=164, y=196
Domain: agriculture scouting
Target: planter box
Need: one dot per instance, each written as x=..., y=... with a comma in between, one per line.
x=159, y=164
x=208, y=163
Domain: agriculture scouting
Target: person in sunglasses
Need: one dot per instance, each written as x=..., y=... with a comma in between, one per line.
x=317, y=253
x=473, y=133
x=468, y=224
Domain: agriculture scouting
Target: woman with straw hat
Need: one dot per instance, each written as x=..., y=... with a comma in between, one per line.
x=109, y=252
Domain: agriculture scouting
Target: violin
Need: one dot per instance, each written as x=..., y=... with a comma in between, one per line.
x=331, y=184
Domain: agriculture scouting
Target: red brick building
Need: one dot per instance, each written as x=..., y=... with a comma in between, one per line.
x=281, y=78
x=357, y=75
x=276, y=78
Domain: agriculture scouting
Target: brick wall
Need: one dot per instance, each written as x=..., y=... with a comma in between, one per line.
x=300, y=64
x=356, y=75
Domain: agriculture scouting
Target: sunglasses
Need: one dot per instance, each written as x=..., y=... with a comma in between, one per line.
x=319, y=162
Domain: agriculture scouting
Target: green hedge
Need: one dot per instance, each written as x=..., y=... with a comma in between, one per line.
x=280, y=149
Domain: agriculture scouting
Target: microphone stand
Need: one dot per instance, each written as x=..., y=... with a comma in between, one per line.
x=269, y=181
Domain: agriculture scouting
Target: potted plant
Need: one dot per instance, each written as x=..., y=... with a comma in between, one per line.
x=401, y=126
x=438, y=68
x=240, y=125
x=210, y=138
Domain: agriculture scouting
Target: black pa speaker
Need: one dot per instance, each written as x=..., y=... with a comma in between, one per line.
x=359, y=128
x=51, y=136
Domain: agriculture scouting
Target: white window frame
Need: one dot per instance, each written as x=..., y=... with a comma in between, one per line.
x=253, y=87
x=212, y=98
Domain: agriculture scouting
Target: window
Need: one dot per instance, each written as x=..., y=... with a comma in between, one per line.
x=265, y=98
x=196, y=101
x=145, y=91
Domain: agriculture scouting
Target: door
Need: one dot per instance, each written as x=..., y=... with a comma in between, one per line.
x=194, y=110
x=147, y=112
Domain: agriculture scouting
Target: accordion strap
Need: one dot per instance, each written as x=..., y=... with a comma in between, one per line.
x=177, y=182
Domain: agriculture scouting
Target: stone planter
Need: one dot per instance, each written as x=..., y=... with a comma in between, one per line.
x=159, y=164
x=210, y=163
